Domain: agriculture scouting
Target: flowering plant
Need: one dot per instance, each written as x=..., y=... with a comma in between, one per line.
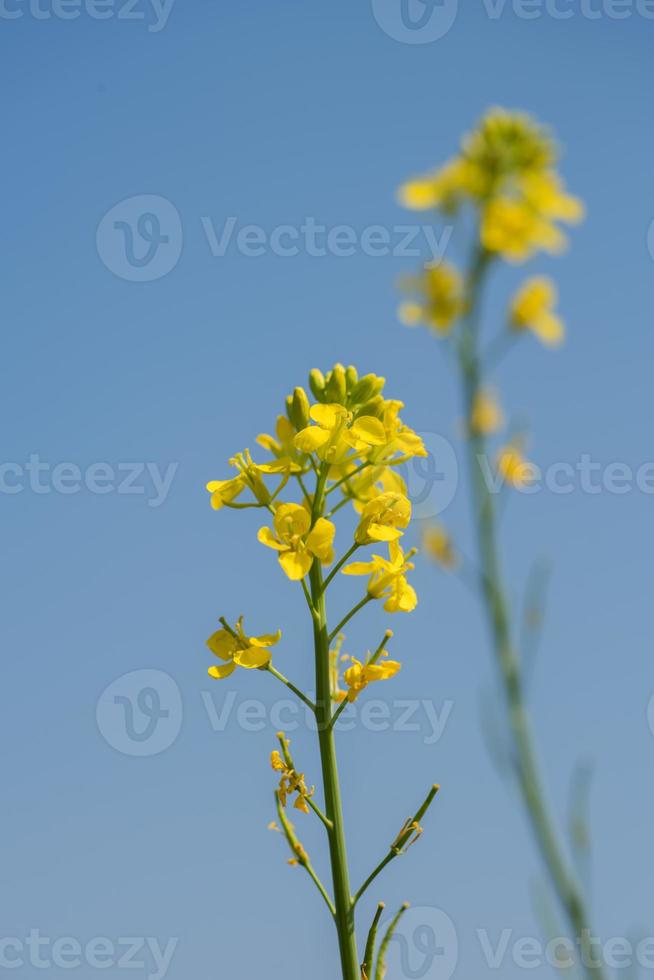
x=344, y=449
x=504, y=186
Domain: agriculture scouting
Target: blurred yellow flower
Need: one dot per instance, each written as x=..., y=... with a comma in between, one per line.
x=532, y=309
x=513, y=467
x=238, y=650
x=486, y=416
x=440, y=288
x=438, y=545
x=296, y=541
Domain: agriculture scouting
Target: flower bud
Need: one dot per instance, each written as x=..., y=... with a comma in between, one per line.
x=351, y=377
x=317, y=384
x=367, y=388
x=300, y=409
x=374, y=407
x=336, y=387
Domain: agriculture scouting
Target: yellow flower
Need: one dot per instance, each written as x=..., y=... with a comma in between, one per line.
x=290, y=780
x=372, y=482
x=486, y=415
x=335, y=434
x=238, y=650
x=388, y=578
x=544, y=191
x=358, y=676
x=513, y=467
x=438, y=545
x=282, y=445
x=532, y=309
x=296, y=541
x=223, y=492
x=444, y=188
x=383, y=518
x=507, y=145
x=440, y=288
x=515, y=230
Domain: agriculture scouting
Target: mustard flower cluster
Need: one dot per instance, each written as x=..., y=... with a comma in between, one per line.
x=350, y=440
x=504, y=183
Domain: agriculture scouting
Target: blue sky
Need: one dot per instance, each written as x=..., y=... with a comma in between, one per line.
x=269, y=115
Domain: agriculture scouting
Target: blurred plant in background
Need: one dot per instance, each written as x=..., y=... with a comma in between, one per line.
x=343, y=449
x=505, y=194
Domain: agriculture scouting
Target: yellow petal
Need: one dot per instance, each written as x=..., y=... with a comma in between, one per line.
x=359, y=568
x=370, y=430
x=321, y=539
x=222, y=644
x=311, y=439
x=252, y=657
x=266, y=639
x=549, y=329
x=265, y=536
x=291, y=520
x=219, y=673
x=418, y=195
x=329, y=416
x=410, y=314
x=296, y=564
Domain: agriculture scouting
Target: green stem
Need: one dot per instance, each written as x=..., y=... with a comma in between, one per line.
x=296, y=690
x=346, y=619
x=410, y=829
x=339, y=564
x=494, y=598
x=344, y=909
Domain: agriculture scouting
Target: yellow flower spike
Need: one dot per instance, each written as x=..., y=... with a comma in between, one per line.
x=383, y=518
x=236, y=649
x=297, y=543
x=445, y=188
x=486, y=416
x=358, y=676
x=438, y=545
x=532, y=309
x=440, y=303
x=388, y=578
x=513, y=467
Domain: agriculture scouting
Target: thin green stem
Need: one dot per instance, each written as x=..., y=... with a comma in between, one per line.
x=386, y=941
x=344, y=910
x=411, y=829
x=364, y=602
x=493, y=593
x=339, y=564
x=369, y=955
x=300, y=856
x=296, y=690
x=344, y=479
